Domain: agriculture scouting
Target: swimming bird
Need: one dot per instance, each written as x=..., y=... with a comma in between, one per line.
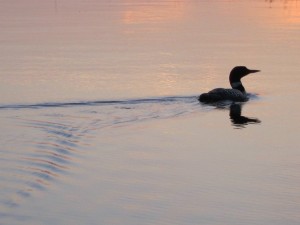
x=237, y=93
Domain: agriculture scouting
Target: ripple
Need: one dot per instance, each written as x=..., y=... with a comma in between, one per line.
x=50, y=140
x=42, y=158
x=168, y=99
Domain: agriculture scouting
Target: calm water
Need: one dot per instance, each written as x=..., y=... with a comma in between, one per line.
x=100, y=122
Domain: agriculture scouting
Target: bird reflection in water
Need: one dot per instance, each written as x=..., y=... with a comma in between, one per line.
x=237, y=119
x=235, y=113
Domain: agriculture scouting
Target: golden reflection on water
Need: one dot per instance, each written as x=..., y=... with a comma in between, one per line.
x=176, y=10
x=153, y=13
x=87, y=48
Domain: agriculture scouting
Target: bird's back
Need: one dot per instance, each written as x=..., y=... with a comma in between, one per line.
x=222, y=94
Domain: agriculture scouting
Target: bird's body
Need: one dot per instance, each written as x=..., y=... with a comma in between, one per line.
x=223, y=94
x=237, y=93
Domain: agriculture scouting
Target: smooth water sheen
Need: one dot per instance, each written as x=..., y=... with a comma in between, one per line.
x=100, y=122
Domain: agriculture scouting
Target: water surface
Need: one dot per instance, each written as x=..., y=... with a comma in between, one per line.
x=100, y=122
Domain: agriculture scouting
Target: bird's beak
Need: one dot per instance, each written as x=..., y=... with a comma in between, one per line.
x=254, y=71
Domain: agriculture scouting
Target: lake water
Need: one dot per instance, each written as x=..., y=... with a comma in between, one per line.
x=100, y=122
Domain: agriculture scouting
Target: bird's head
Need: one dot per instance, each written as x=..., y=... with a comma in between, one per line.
x=236, y=74
x=239, y=72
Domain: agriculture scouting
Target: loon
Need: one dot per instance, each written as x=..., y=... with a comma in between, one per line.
x=236, y=94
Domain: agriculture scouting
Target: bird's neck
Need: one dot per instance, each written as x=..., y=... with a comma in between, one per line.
x=238, y=85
